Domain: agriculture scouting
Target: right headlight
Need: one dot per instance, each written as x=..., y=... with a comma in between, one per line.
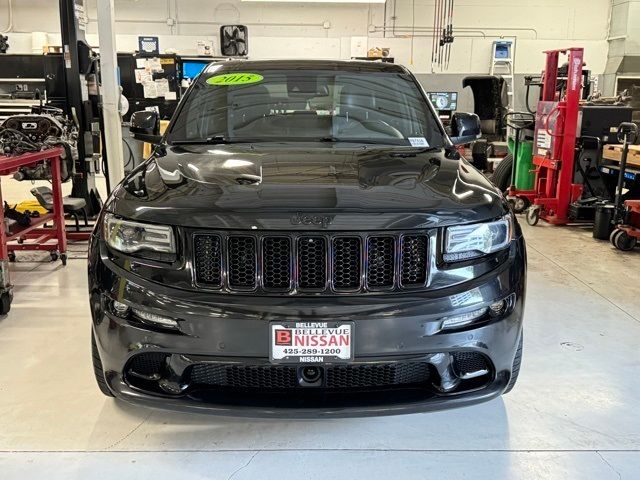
x=463, y=242
x=130, y=237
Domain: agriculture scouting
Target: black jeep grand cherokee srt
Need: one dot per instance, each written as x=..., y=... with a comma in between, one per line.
x=305, y=240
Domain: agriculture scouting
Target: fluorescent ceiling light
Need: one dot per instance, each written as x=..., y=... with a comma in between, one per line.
x=317, y=1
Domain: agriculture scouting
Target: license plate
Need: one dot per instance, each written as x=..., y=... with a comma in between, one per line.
x=311, y=342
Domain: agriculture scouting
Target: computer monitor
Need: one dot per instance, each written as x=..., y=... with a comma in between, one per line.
x=444, y=100
x=192, y=68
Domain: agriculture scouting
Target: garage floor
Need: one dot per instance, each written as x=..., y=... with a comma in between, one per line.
x=574, y=413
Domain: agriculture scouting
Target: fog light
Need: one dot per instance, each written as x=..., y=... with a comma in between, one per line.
x=457, y=321
x=155, y=319
x=120, y=308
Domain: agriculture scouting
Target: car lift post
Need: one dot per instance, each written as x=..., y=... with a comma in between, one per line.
x=110, y=93
x=81, y=81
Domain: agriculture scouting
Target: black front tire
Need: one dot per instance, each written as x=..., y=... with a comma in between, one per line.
x=5, y=303
x=501, y=177
x=515, y=369
x=97, y=368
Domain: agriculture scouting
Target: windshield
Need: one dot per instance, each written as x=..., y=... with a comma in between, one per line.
x=306, y=106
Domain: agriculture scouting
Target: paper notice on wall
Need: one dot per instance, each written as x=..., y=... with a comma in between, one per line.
x=142, y=76
x=150, y=89
x=162, y=87
x=171, y=96
x=154, y=65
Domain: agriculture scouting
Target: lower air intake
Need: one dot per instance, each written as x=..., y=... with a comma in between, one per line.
x=466, y=363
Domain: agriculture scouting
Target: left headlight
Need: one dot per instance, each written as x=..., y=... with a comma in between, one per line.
x=129, y=237
x=464, y=242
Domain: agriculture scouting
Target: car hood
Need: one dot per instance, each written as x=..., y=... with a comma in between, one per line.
x=279, y=186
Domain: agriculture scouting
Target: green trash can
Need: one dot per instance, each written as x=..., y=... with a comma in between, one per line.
x=524, y=175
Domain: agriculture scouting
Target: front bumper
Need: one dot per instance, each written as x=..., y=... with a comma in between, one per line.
x=234, y=329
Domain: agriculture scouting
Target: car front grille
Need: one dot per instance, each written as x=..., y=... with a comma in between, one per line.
x=243, y=376
x=377, y=374
x=366, y=375
x=310, y=262
x=154, y=372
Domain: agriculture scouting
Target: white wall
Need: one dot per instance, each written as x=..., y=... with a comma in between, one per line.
x=325, y=30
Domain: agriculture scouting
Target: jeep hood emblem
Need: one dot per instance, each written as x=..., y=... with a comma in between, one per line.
x=305, y=219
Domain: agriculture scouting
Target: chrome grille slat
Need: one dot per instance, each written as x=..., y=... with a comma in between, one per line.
x=310, y=262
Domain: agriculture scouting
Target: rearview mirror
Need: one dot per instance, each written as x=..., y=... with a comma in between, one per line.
x=145, y=126
x=465, y=128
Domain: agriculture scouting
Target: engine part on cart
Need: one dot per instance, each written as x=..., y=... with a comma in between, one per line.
x=21, y=134
x=35, y=127
x=234, y=40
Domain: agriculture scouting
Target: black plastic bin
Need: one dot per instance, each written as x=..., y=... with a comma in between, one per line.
x=603, y=222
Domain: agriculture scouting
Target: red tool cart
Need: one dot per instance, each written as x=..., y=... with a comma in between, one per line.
x=555, y=142
x=625, y=236
x=33, y=236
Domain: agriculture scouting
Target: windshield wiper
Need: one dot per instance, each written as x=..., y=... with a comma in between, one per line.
x=381, y=141
x=414, y=151
x=214, y=140
x=329, y=139
x=221, y=139
x=362, y=141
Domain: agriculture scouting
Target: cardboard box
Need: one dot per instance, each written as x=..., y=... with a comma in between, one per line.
x=613, y=153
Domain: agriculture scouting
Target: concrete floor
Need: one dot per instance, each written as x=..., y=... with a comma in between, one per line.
x=573, y=415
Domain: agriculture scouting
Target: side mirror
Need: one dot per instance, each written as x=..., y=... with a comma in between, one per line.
x=145, y=126
x=465, y=128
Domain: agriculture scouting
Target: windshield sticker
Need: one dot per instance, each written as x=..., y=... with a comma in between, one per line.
x=234, y=79
x=418, y=142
